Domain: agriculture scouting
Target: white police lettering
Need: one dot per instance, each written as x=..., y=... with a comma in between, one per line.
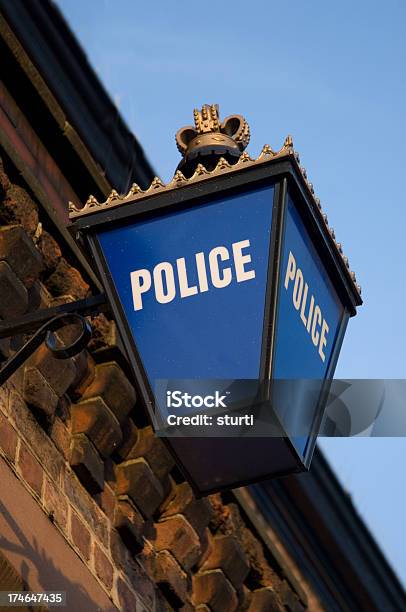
x=311, y=315
x=220, y=266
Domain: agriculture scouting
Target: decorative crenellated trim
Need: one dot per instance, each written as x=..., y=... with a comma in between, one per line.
x=179, y=180
x=201, y=174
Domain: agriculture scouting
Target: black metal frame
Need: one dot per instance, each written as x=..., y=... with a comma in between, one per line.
x=269, y=336
x=284, y=174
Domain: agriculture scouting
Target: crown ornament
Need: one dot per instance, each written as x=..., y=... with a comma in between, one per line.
x=209, y=139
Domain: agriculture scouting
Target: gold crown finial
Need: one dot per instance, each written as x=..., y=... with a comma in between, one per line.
x=209, y=140
x=207, y=120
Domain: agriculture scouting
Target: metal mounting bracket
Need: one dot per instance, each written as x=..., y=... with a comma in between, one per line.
x=49, y=321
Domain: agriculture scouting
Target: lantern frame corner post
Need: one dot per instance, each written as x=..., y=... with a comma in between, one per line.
x=133, y=356
x=274, y=266
x=290, y=186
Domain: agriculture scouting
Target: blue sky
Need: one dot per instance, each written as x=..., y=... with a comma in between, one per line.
x=332, y=75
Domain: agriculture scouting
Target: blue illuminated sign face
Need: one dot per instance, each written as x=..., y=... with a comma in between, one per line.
x=192, y=285
x=309, y=320
x=217, y=302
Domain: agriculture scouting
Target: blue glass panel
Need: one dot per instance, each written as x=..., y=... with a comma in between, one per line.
x=309, y=317
x=217, y=332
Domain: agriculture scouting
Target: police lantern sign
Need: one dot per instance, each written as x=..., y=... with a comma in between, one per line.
x=231, y=294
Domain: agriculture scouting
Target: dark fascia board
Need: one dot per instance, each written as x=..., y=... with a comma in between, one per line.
x=51, y=45
x=317, y=504
x=357, y=531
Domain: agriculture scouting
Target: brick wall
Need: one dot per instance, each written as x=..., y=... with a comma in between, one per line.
x=76, y=436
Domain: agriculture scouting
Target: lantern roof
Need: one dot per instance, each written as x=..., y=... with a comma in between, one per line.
x=234, y=129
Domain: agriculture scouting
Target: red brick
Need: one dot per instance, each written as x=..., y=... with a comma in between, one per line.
x=169, y=493
x=187, y=607
x=213, y=589
x=126, y=597
x=60, y=300
x=38, y=393
x=95, y=419
x=38, y=440
x=86, y=506
x=206, y=543
x=142, y=583
x=61, y=437
x=226, y=518
x=197, y=511
x=38, y=297
x=176, y=535
x=66, y=280
x=30, y=469
x=165, y=570
x=59, y=373
x=154, y=452
x=18, y=207
x=80, y=536
x=228, y=555
x=111, y=384
x=244, y=598
x=8, y=439
x=13, y=294
x=18, y=250
x=63, y=409
x=254, y=550
x=103, y=333
x=16, y=380
x=129, y=524
x=136, y=479
x=5, y=183
x=70, y=332
x=5, y=348
x=167, y=487
x=85, y=373
x=106, y=500
x=130, y=435
x=133, y=570
x=119, y=552
x=55, y=504
x=102, y=525
x=103, y=566
x=265, y=600
x=86, y=463
x=110, y=472
x=4, y=398
x=49, y=249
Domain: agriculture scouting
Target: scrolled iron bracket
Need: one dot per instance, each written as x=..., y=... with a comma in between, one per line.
x=52, y=319
x=75, y=347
